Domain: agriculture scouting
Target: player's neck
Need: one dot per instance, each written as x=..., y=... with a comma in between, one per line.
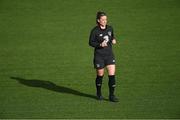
x=102, y=27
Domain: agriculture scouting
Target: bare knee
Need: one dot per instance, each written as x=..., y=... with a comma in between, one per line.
x=100, y=72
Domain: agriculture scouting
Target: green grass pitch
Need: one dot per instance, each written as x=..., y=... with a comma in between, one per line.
x=46, y=68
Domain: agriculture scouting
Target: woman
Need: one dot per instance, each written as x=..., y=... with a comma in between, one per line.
x=102, y=38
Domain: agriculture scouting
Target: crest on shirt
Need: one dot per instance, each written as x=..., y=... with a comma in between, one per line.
x=100, y=35
x=109, y=33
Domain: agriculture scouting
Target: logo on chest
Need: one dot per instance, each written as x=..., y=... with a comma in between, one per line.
x=109, y=33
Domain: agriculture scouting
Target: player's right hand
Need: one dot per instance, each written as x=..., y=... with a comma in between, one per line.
x=103, y=44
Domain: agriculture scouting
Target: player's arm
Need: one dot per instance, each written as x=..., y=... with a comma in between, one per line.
x=93, y=42
x=113, y=38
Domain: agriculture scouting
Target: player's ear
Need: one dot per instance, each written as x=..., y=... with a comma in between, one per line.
x=98, y=20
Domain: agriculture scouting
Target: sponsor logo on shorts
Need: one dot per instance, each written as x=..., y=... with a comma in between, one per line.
x=113, y=61
x=98, y=65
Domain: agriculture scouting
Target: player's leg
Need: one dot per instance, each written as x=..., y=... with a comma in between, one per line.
x=99, y=78
x=111, y=75
x=99, y=65
x=111, y=69
x=112, y=83
x=100, y=72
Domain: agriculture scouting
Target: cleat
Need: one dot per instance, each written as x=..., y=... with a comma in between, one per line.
x=100, y=97
x=113, y=99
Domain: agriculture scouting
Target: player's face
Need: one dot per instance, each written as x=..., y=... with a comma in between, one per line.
x=103, y=21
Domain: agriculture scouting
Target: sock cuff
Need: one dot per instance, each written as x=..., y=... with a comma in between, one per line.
x=99, y=77
x=111, y=76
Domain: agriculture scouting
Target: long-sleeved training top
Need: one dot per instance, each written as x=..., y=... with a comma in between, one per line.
x=97, y=36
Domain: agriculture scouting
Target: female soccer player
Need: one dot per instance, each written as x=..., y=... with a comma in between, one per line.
x=102, y=38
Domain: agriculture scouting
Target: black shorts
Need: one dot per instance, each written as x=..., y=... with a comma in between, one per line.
x=102, y=61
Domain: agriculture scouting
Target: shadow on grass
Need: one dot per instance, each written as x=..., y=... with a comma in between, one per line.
x=50, y=86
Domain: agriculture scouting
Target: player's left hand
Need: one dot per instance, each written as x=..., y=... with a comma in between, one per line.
x=113, y=41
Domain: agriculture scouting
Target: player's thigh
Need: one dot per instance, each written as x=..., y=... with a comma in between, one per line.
x=110, y=64
x=111, y=69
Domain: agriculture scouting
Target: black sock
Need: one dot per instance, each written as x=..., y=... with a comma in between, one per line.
x=111, y=84
x=99, y=84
